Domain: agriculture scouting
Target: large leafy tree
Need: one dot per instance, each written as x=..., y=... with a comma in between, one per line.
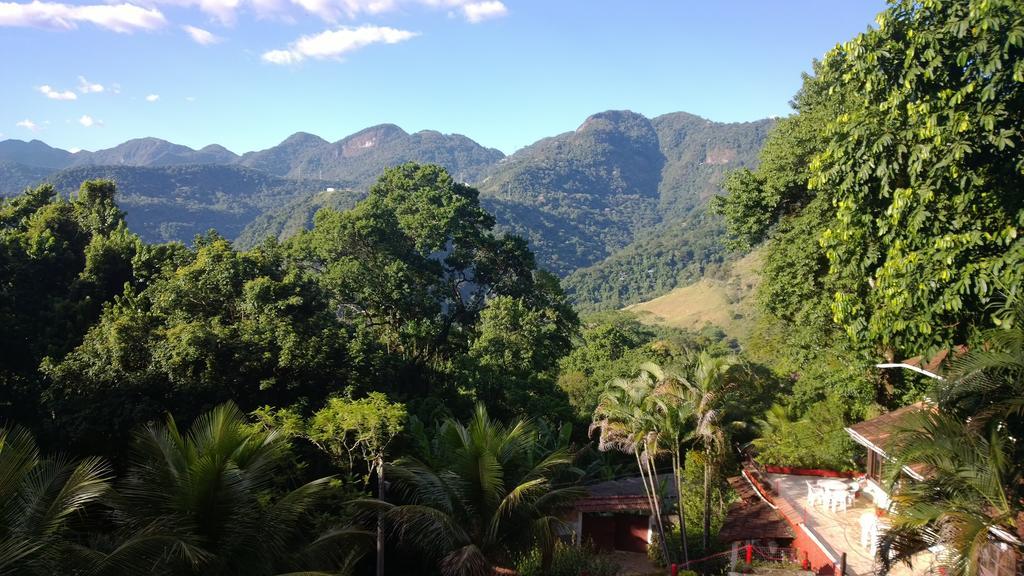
x=924, y=165
x=515, y=357
x=473, y=496
x=412, y=267
x=60, y=261
x=212, y=325
x=891, y=199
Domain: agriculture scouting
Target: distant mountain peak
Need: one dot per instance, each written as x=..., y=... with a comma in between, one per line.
x=369, y=138
x=303, y=139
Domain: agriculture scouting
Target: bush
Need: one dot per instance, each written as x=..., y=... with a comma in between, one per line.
x=568, y=560
x=654, y=551
x=742, y=567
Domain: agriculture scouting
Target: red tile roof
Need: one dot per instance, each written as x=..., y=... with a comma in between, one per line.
x=879, y=431
x=751, y=518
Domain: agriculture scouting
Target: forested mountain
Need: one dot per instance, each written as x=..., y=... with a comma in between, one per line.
x=177, y=202
x=616, y=206
x=360, y=158
x=15, y=176
x=580, y=195
x=281, y=159
x=295, y=216
x=34, y=153
x=154, y=152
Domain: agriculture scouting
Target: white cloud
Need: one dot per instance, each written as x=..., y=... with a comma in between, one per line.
x=115, y=88
x=122, y=18
x=86, y=87
x=74, y=150
x=152, y=97
x=226, y=11
x=190, y=98
x=28, y=125
x=89, y=121
x=480, y=11
x=201, y=36
x=52, y=94
x=333, y=44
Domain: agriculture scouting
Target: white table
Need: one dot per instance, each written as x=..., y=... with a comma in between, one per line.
x=837, y=491
x=834, y=484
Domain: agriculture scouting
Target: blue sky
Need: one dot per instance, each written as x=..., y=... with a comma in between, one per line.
x=248, y=73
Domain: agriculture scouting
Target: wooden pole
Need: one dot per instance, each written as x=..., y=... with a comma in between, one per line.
x=380, y=526
x=842, y=565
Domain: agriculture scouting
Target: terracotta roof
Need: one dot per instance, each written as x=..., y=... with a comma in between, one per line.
x=751, y=518
x=934, y=364
x=876, y=433
x=879, y=431
x=625, y=494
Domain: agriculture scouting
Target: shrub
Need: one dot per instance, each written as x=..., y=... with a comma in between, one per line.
x=742, y=567
x=568, y=560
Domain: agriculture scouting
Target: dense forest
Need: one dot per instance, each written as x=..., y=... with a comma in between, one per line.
x=404, y=386
x=618, y=182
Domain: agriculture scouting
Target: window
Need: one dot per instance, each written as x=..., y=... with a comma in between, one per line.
x=875, y=466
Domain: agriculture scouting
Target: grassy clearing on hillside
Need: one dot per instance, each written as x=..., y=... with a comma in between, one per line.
x=724, y=299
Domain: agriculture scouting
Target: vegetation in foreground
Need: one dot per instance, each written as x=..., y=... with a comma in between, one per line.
x=360, y=350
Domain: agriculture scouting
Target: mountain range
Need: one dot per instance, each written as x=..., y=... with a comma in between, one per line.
x=616, y=207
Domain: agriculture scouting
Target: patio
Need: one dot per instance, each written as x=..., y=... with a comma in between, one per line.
x=838, y=531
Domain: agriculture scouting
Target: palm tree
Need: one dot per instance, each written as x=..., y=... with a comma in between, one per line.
x=971, y=445
x=38, y=498
x=200, y=503
x=706, y=387
x=628, y=415
x=476, y=494
x=987, y=384
x=973, y=486
x=674, y=420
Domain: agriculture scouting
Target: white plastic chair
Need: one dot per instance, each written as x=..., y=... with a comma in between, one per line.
x=814, y=494
x=868, y=520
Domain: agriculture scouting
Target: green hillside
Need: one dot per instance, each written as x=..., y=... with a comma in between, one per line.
x=724, y=298
x=177, y=202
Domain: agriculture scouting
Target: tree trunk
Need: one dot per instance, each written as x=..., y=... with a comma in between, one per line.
x=652, y=499
x=653, y=474
x=380, y=527
x=678, y=470
x=707, y=503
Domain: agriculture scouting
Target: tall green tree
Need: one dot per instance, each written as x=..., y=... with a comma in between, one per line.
x=707, y=384
x=675, y=417
x=212, y=325
x=61, y=260
x=924, y=166
x=515, y=357
x=411, y=268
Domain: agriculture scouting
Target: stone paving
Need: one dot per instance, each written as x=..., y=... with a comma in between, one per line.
x=840, y=531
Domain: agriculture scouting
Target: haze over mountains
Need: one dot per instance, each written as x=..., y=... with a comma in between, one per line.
x=616, y=206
